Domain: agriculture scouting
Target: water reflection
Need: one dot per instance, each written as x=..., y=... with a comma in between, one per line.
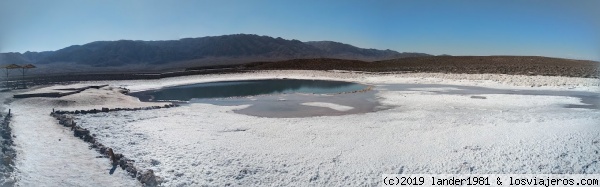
x=247, y=88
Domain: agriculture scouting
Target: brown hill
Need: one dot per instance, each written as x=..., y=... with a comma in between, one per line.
x=514, y=65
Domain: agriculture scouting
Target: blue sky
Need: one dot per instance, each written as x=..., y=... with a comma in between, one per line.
x=569, y=29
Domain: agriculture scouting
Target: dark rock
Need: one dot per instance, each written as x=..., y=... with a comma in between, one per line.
x=102, y=149
x=89, y=139
x=478, y=97
x=154, y=162
x=118, y=156
x=105, y=109
x=148, y=178
x=131, y=169
x=123, y=163
x=80, y=132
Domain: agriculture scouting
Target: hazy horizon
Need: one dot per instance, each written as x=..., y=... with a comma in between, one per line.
x=464, y=27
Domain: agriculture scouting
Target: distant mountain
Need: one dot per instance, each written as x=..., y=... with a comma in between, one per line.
x=194, y=52
x=345, y=51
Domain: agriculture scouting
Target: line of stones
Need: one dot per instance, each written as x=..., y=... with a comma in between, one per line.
x=7, y=141
x=94, y=111
x=8, y=151
x=65, y=118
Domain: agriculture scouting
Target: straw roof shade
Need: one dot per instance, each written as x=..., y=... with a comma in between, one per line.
x=12, y=66
x=28, y=66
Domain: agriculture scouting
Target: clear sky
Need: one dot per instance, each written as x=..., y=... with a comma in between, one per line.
x=569, y=29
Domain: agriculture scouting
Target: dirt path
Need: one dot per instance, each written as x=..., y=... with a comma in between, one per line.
x=49, y=154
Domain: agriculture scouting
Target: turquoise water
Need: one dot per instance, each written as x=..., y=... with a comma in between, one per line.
x=247, y=88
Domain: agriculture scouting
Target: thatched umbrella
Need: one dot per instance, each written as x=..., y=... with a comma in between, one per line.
x=28, y=66
x=7, y=68
x=24, y=69
x=12, y=66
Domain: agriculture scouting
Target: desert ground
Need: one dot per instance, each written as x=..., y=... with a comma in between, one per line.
x=427, y=129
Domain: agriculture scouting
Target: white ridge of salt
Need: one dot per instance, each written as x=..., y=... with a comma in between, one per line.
x=329, y=105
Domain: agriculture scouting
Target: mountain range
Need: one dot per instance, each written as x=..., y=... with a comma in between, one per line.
x=194, y=52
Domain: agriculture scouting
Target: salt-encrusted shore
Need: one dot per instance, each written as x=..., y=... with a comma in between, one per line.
x=487, y=80
x=202, y=144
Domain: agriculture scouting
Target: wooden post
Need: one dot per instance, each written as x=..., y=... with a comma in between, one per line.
x=112, y=156
x=23, y=81
x=6, y=78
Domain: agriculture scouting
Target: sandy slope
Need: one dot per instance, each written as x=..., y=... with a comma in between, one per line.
x=203, y=144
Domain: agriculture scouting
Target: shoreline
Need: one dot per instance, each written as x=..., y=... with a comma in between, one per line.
x=484, y=80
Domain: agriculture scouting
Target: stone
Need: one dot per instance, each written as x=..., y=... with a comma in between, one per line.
x=80, y=132
x=131, y=169
x=118, y=156
x=89, y=139
x=148, y=178
x=154, y=162
x=123, y=163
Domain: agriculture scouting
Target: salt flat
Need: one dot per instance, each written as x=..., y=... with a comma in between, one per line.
x=421, y=132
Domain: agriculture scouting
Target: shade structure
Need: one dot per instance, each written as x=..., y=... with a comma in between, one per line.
x=12, y=66
x=28, y=66
x=23, y=69
x=7, y=68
